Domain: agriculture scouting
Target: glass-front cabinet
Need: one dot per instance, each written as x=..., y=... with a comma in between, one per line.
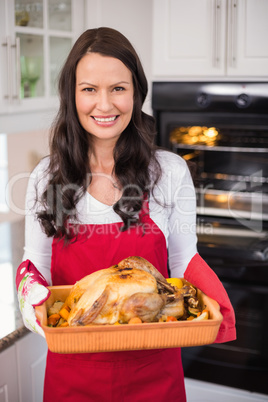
x=36, y=37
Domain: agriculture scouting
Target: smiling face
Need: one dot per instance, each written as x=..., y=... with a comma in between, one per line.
x=104, y=96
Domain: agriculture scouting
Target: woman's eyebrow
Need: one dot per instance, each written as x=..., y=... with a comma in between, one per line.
x=120, y=82
x=87, y=83
x=113, y=85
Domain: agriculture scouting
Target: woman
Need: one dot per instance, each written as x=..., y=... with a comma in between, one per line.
x=106, y=193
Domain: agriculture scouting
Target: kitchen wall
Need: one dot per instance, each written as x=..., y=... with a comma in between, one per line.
x=24, y=150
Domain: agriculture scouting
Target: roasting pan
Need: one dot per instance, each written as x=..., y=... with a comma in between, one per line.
x=111, y=338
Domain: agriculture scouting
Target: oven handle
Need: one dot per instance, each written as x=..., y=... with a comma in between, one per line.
x=216, y=148
x=234, y=254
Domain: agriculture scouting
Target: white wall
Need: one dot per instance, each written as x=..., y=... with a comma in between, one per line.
x=24, y=149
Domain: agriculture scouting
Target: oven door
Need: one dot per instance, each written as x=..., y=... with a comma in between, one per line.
x=225, y=241
x=242, y=363
x=239, y=257
x=230, y=183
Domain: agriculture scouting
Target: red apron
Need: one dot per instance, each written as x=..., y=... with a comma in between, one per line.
x=113, y=376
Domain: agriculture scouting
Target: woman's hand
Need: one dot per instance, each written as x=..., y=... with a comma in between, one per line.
x=32, y=291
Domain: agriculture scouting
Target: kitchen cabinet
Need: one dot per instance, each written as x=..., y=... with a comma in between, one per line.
x=210, y=38
x=31, y=353
x=22, y=370
x=9, y=390
x=35, y=38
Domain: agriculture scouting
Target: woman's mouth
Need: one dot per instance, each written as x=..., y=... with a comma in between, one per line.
x=108, y=119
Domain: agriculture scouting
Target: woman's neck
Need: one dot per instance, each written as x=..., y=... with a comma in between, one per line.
x=101, y=159
x=103, y=185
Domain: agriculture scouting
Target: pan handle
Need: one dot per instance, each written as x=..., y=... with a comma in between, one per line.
x=40, y=313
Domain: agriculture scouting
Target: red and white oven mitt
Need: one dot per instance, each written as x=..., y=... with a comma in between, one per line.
x=204, y=278
x=32, y=291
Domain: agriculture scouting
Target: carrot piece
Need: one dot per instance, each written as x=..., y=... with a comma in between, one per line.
x=53, y=320
x=135, y=320
x=205, y=311
x=190, y=318
x=171, y=318
x=64, y=312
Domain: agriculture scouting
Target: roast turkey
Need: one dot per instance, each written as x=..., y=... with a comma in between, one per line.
x=133, y=288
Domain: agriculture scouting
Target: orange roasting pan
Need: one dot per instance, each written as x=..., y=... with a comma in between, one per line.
x=110, y=338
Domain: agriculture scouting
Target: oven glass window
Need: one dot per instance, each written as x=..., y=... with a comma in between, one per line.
x=230, y=168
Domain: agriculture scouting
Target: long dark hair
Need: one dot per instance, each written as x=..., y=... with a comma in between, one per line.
x=69, y=167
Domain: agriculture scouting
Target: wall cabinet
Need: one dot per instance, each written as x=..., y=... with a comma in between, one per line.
x=35, y=39
x=22, y=370
x=220, y=38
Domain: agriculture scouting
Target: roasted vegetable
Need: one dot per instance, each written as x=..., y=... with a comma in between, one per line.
x=53, y=320
x=55, y=309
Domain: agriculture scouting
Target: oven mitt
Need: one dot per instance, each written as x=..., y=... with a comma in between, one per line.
x=204, y=278
x=32, y=291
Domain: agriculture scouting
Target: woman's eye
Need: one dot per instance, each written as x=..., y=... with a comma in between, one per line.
x=119, y=89
x=88, y=89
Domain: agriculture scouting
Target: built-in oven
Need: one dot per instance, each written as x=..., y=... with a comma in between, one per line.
x=221, y=130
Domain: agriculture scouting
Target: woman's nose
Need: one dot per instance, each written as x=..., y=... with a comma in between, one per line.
x=104, y=103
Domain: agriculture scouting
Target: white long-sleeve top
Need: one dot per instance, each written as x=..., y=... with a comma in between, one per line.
x=172, y=207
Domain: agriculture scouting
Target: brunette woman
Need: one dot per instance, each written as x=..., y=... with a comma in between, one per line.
x=105, y=193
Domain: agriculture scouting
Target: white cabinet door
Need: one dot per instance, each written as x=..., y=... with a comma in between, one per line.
x=5, y=54
x=31, y=362
x=210, y=38
x=248, y=38
x=188, y=37
x=36, y=38
x=8, y=376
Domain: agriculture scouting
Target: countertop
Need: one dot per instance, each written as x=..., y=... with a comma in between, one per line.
x=11, y=253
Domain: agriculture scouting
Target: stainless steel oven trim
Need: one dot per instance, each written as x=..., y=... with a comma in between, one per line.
x=244, y=195
x=202, y=211
x=219, y=148
x=219, y=231
x=232, y=177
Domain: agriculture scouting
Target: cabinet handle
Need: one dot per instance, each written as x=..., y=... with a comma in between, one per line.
x=7, y=44
x=217, y=15
x=233, y=33
x=18, y=71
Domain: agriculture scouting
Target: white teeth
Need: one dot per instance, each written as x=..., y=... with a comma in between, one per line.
x=102, y=119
